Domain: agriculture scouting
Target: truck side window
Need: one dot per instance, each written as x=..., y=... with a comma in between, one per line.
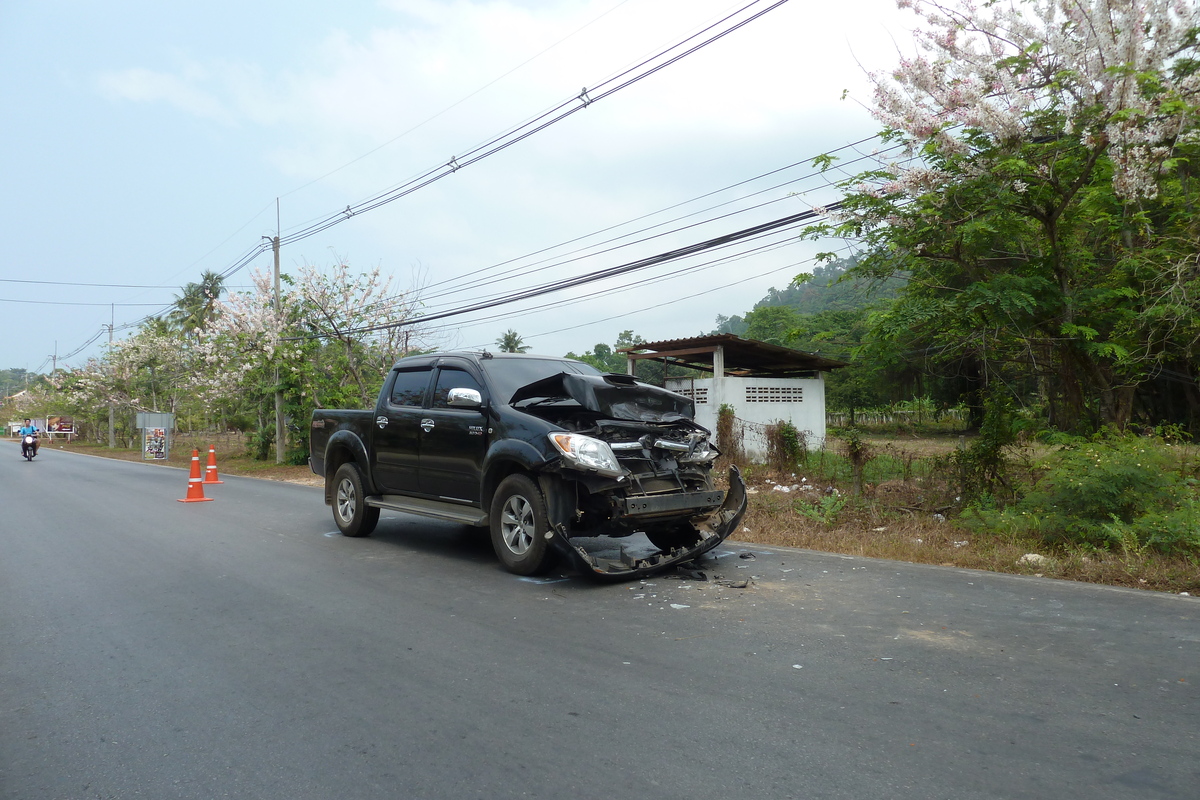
x=409, y=388
x=450, y=378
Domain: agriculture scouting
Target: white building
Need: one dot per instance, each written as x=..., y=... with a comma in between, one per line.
x=762, y=382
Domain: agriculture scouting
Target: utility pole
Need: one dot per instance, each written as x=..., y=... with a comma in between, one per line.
x=279, y=429
x=112, y=435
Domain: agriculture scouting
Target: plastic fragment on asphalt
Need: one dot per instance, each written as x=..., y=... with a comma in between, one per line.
x=679, y=605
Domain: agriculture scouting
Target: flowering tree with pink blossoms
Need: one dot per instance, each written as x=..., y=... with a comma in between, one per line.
x=332, y=341
x=1041, y=198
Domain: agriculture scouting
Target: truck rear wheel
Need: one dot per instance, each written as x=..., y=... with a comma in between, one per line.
x=350, y=510
x=519, y=526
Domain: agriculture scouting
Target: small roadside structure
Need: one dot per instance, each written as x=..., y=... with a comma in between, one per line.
x=763, y=383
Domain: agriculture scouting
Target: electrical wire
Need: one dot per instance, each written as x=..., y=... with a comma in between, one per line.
x=65, y=303
x=565, y=109
x=543, y=121
x=529, y=269
x=557, y=286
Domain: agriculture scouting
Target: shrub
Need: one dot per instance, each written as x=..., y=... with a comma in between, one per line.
x=1174, y=530
x=858, y=453
x=981, y=469
x=786, y=446
x=1113, y=491
x=825, y=510
x=728, y=439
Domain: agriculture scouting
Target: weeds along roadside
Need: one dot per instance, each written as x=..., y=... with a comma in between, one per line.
x=1040, y=507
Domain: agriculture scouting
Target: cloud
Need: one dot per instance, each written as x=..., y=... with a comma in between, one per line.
x=365, y=110
x=182, y=91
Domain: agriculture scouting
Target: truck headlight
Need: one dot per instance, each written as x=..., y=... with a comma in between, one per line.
x=702, y=454
x=584, y=452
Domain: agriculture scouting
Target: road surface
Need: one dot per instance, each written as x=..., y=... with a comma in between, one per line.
x=241, y=648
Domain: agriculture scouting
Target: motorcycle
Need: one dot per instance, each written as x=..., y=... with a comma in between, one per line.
x=29, y=446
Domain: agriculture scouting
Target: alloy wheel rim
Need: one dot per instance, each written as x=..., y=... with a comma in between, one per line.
x=345, y=501
x=517, y=525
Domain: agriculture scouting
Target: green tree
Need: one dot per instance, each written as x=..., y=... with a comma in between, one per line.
x=1043, y=216
x=196, y=307
x=511, y=342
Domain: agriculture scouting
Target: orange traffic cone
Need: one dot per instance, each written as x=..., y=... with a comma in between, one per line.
x=195, y=492
x=210, y=472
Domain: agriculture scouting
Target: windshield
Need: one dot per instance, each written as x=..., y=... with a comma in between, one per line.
x=507, y=375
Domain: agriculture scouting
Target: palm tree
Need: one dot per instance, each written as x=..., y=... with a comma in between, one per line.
x=196, y=306
x=511, y=342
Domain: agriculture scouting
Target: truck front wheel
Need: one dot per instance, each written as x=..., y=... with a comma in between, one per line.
x=350, y=510
x=519, y=526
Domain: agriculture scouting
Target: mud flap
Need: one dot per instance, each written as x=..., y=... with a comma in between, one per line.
x=559, y=508
x=624, y=565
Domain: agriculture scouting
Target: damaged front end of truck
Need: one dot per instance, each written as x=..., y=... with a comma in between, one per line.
x=629, y=489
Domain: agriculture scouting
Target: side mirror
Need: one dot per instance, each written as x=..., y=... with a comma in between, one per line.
x=464, y=398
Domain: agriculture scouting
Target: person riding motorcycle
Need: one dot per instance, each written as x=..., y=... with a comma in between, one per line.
x=29, y=429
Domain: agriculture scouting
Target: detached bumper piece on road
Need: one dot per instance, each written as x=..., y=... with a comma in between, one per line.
x=618, y=559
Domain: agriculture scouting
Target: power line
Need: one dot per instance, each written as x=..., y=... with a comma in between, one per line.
x=539, y=266
x=622, y=315
x=539, y=123
x=565, y=109
x=93, y=285
x=557, y=286
x=65, y=303
x=724, y=261
x=459, y=102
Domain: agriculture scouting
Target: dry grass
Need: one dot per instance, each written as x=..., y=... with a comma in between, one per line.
x=895, y=519
x=903, y=521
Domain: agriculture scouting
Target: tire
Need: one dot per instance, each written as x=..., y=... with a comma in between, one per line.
x=519, y=526
x=667, y=539
x=350, y=510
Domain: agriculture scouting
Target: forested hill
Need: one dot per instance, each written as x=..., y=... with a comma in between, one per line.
x=827, y=290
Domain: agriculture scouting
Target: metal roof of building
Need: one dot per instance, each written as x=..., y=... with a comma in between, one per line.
x=742, y=356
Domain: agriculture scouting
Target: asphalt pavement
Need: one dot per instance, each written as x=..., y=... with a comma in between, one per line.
x=242, y=648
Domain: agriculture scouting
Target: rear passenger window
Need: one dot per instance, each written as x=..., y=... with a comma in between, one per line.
x=409, y=388
x=449, y=378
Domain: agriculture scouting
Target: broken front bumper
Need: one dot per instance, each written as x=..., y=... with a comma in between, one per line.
x=615, y=559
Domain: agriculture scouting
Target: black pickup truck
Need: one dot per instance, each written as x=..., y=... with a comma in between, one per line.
x=552, y=455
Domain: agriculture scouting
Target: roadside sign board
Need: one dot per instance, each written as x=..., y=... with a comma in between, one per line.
x=156, y=435
x=154, y=444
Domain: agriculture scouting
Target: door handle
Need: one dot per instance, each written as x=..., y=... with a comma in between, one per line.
x=427, y=425
x=381, y=421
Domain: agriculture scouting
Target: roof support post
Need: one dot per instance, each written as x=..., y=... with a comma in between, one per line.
x=718, y=384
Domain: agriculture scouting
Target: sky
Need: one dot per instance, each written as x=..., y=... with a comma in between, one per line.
x=143, y=143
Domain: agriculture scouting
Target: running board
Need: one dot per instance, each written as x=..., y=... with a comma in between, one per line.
x=437, y=509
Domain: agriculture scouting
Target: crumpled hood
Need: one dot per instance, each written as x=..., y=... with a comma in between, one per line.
x=612, y=395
